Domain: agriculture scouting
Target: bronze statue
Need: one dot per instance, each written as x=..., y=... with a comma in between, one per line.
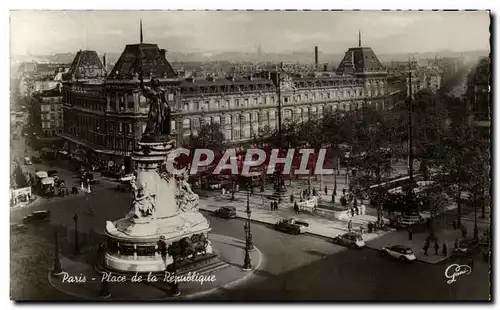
x=159, y=110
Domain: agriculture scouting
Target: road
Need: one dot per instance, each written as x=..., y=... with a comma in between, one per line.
x=294, y=267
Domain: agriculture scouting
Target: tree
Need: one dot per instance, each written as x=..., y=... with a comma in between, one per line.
x=19, y=178
x=210, y=136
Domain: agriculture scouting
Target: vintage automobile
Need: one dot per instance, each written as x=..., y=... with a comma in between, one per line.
x=226, y=212
x=400, y=252
x=350, y=239
x=292, y=226
x=37, y=216
x=466, y=247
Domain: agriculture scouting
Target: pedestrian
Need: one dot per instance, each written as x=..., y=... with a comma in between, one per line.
x=352, y=212
x=326, y=190
x=343, y=191
x=445, y=249
x=333, y=197
x=251, y=190
x=349, y=226
x=426, y=247
x=223, y=191
x=296, y=208
x=464, y=232
x=357, y=210
x=276, y=205
x=410, y=234
x=272, y=205
x=291, y=198
x=436, y=248
x=361, y=229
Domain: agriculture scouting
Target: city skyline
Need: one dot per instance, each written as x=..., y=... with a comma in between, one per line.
x=284, y=32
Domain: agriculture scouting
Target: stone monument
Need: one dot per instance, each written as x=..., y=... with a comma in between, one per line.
x=163, y=208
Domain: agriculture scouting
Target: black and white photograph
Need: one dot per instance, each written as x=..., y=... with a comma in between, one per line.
x=250, y=155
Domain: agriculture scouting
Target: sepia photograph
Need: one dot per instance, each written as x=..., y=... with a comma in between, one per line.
x=250, y=156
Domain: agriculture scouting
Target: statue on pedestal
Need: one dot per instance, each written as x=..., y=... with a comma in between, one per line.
x=159, y=110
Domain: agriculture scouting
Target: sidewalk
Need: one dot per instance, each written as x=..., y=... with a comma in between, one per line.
x=262, y=213
x=446, y=235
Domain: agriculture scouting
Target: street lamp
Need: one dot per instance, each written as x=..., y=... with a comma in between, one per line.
x=247, y=266
x=77, y=247
x=57, y=270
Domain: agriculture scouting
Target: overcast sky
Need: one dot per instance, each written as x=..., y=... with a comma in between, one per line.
x=47, y=32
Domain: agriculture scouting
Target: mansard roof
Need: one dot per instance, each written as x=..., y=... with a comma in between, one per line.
x=85, y=65
x=360, y=60
x=143, y=57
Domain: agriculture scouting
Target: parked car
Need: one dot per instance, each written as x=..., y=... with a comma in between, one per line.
x=226, y=212
x=350, y=239
x=401, y=252
x=27, y=161
x=466, y=247
x=37, y=216
x=291, y=226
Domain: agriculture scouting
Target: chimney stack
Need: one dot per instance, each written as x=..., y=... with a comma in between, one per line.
x=325, y=67
x=316, y=57
x=104, y=61
x=163, y=53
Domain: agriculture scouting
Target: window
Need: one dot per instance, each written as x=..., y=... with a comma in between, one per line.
x=237, y=101
x=272, y=100
x=172, y=125
x=186, y=123
x=196, y=105
x=129, y=127
x=227, y=119
x=217, y=105
x=186, y=106
x=196, y=123
x=227, y=104
x=208, y=120
x=216, y=119
x=255, y=101
x=236, y=134
x=130, y=101
x=272, y=115
x=285, y=99
x=205, y=105
x=246, y=102
x=236, y=119
x=255, y=117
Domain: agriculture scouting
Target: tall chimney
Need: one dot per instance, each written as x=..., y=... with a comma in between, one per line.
x=163, y=53
x=316, y=57
x=104, y=61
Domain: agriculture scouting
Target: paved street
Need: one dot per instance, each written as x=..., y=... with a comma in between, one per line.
x=294, y=267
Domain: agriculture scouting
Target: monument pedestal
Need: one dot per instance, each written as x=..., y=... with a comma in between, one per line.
x=164, y=208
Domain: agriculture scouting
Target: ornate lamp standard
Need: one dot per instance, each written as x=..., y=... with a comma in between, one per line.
x=57, y=270
x=77, y=247
x=247, y=266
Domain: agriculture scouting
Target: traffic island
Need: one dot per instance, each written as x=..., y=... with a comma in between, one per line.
x=81, y=280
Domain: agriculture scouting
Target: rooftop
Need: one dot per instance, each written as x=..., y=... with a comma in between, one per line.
x=143, y=57
x=85, y=65
x=359, y=60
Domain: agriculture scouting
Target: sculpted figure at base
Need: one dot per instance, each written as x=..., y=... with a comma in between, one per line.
x=159, y=110
x=186, y=198
x=144, y=203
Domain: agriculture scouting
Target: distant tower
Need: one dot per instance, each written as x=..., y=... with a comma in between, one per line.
x=359, y=38
x=316, y=57
x=141, y=31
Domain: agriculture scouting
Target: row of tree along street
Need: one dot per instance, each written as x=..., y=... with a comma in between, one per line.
x=445, y=142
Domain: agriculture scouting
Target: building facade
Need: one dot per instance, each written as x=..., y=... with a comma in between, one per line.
x=46, y=112
x=105, y=112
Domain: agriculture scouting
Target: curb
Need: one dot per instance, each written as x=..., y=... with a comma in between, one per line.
x=331, y=238
x=181, y=297
x=418, y=259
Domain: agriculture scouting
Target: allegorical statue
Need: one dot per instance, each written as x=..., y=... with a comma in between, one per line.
x=144, y=203
x=159, y=110
x=187, y=200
